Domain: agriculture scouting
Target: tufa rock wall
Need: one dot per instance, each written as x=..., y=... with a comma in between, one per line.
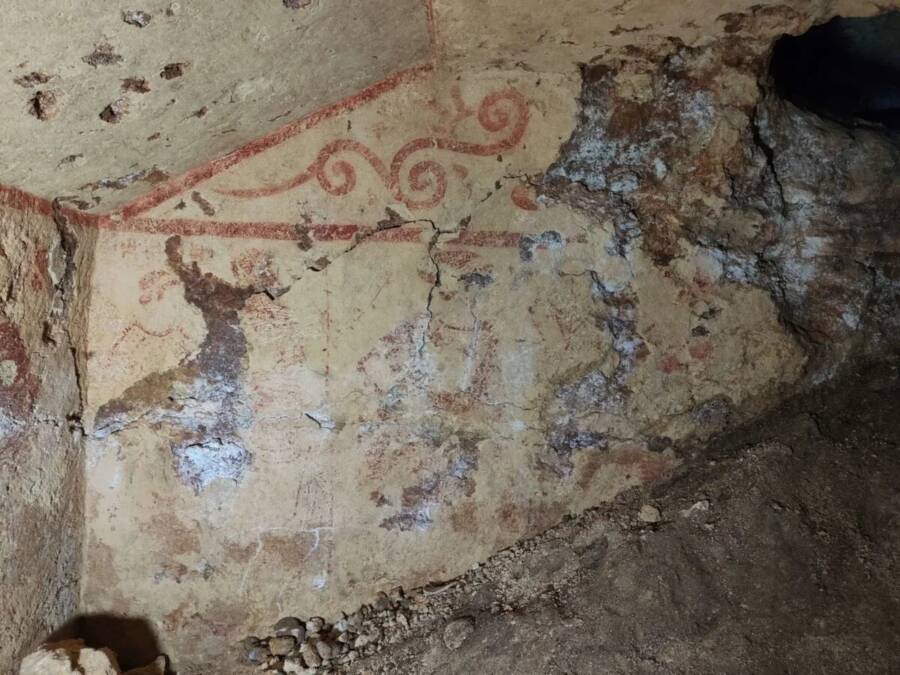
x=44, y=266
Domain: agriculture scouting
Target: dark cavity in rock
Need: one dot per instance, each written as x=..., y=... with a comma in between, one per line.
x=173, y=70
x=846, y=70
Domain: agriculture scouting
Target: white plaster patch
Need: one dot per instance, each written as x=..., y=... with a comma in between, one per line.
x=9, y=426
x=659, y=168
x=96, y=452
x=736, y=267
x=813, y=246
x=200, y=464
x=423, y=518
x=8, y=372
x=323, y=419
x=851, y=319
x=116, y=479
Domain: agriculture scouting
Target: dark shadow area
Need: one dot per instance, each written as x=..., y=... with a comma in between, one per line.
x=134, y=641
x=847, y=70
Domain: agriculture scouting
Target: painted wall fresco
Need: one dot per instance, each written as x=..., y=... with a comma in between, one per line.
x=374, y=343
x=411, y=327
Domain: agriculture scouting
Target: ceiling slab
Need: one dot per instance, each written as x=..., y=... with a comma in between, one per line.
x=103, y=101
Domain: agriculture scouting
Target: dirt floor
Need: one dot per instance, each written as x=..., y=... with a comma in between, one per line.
x=776, y=550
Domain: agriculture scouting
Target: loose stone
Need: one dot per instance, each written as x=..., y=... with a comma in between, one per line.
x=310, y=655
x=649, y=514
x=382, y=602
x=254, y=651
x=315, y=625
x=282, y=645
x=324, y=649
x=291, y=625
x=457, y=632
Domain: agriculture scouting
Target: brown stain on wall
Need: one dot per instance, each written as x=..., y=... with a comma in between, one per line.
x=176, y=537
x=220, y=355
x=18, y=394
x=287, y=550
x=213, y=375
x=238, y=553
x=105, y=581
x=455, y=482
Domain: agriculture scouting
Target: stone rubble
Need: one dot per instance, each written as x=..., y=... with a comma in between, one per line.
x=316, y=645
x=319, y=646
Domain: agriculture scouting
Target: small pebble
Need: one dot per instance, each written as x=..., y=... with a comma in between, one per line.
x=315, y=624
x=402, y=620
x=282, y=645
x=696, y=507
x=310, y=655
x=295, y=665
x=136, y=18
x=324, y=649
x=649, y=514
x=382, y=602
x=362, y=641
x=291, y=625
x=254, y=651
x=457, y=632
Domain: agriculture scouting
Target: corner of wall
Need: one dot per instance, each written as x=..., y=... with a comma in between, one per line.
x=45, y=269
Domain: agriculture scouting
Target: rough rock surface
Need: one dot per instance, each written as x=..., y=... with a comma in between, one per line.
x=778, y=550
x=704, y=161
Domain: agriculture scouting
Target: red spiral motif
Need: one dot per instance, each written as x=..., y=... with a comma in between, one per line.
x=426, y=178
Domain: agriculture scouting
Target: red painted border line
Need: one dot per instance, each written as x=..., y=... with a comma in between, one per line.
x=25, y=201
x=259, y=230
x=320, y=232
x=191, y=178
x=231, y=230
